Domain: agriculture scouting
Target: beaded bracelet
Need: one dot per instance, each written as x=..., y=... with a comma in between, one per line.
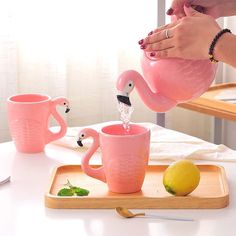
x=211, y=49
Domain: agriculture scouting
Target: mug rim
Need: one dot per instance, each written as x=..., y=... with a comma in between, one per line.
x=47, y=98
x=146, y=130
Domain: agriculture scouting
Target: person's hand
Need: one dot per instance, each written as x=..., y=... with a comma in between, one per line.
x=214, y=8
x=189, y=37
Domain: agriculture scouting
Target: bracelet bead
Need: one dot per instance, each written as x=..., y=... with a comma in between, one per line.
x=214, y=41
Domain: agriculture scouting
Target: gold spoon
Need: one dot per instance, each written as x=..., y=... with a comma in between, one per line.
x=124, y=212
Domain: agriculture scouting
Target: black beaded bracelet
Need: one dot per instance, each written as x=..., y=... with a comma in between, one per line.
x=212, y=46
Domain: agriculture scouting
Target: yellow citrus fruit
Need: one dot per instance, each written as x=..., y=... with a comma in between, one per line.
x=181, y=177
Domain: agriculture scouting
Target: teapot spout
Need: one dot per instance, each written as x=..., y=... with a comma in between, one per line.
x=124, y=99
x=154, y=100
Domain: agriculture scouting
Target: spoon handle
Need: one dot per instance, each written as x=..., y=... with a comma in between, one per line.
x=5, y=180
x=167, y=218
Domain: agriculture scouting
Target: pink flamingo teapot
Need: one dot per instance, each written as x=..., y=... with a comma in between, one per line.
x=166, y=82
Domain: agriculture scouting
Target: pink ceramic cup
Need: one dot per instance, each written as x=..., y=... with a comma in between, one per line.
x=124, y=156
x=28, y=117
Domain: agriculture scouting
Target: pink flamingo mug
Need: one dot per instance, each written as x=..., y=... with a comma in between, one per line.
x=124, y=154
x=28, y=117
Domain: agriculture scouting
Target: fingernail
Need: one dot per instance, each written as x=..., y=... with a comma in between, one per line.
x=150, y=33
x=199, y=9
x=143, y=46
x=152, y=54
x=187, y=4
x=140, y=42
x=170, y=11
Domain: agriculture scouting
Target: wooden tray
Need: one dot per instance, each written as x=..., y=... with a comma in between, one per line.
x=209, y=104
x=212, y=191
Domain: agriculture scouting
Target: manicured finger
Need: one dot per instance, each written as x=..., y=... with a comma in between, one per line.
x=162, y=45
x=164, y=54
x=151, y=33
x=199, y=8
x=179, y=14
x=157, y=37
x=189, y=11
x=170, y=11
x=171, y=25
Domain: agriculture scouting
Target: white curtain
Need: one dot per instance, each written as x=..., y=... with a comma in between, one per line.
x=72, y=48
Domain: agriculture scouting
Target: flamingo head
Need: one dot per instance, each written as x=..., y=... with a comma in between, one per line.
x=62, y=101
x=82, y=135
x=125, y=85
x=86, y=133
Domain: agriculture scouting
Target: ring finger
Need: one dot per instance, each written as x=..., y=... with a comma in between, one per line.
x=157, y=37
x=168, y=26
x=159, y=46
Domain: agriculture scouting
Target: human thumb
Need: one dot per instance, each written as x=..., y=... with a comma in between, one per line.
x=189, y=11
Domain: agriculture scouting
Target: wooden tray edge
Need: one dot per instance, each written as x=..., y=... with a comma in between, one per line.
x=222, y=86
x=54, y=202
x=194, y=203
x=211, y=106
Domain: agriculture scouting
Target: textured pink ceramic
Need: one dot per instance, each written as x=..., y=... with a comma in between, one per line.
x=28, y=116
x=167, y=82
x=124, y=156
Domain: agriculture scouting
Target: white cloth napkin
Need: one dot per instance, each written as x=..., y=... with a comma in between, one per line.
x=166, y=144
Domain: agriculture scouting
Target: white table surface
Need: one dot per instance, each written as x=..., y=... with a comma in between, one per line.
x=22, y=210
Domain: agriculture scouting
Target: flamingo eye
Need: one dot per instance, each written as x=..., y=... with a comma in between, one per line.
x=64, y=103
x=130, y=84
x=82, y=135
x=128, y=87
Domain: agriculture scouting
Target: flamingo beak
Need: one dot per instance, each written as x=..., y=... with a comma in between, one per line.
x=79, y=142
x=67, y=109
x=124, y=99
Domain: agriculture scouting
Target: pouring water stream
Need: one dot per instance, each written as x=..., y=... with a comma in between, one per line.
x=125, y=115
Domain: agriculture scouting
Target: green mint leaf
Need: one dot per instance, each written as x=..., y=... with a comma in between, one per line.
x=66, y=192
x=81, y=192
x=71, y=190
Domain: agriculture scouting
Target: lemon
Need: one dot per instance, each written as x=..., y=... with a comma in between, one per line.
x=181, y=177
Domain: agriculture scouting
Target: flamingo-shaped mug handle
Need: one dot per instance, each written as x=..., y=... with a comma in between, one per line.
x=97, y=173
x=61, y=101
